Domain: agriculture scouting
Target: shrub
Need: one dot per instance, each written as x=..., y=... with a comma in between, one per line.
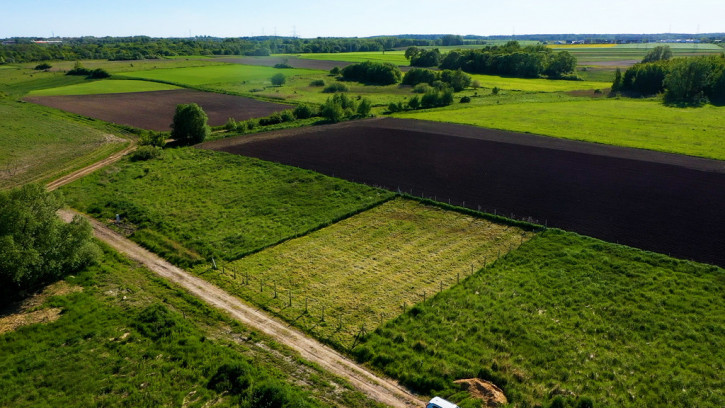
x=230, y=125
x=190, y=124
x=475, y=84
x=335, y=71
x=145, y=153
x=422, y=88
x=414, y=103
x=156, y=321
x=283, y=65
x=99, y=73
x=287, y=116
x=232, y=378
x=43, y=66
x=495, y=90
x=364, y=107
x=465, y=99
x=317, y=82
x=370, y=72
x=458, y=80
x=336, y=87
x=278, y=79
x=419, y=75
x=272, y=119
x=303, y=112
x=152, y=138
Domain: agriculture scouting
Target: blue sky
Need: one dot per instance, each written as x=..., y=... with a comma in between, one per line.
x=228, y=18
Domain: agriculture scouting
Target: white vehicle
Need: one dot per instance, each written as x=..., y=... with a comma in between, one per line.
x=438, y=402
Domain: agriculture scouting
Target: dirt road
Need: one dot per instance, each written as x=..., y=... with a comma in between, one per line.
x=89, y=169
x=383, y=390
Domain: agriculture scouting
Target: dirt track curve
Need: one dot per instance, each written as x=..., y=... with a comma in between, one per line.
x=68, y=178
x=380, y=389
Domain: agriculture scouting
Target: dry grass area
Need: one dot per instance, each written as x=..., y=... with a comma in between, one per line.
x=366, y=269
x=31, y=311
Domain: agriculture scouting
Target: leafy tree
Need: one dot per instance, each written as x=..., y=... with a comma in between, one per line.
x=687, y=80
x=617, y=84
x=658, y=53
x=560, y=64
x=419, y=75
x=37, y=247
x=412, y=52
x=414, y=103
x=426, y=58
x=278, y=79
x=645, y=79
x=364, y=107
x=450, y=39
x=190, y=124
x=370, y=72
x=303, y=111
x=458, y=80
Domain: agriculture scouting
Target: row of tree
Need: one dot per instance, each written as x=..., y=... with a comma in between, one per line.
x=510, y=59
x=692, y=80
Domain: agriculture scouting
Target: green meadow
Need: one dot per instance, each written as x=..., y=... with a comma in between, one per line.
x=352, y=275
x=621, y=122
x=125, y=337
x=107, y=86
x=536, y=84
x=213, y=76
x=567, y=318
x=393, y=57
x=215, y=204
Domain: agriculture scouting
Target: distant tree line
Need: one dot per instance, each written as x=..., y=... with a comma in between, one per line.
x=690, y=81
x=510, y=59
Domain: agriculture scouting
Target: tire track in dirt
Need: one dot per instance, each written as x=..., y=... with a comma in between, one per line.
x=69, y=178
x=380, y=389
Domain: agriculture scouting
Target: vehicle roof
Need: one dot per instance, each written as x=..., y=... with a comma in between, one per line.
x=442, y=403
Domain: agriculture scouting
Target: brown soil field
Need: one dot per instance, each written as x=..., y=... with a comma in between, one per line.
x=155, y=110
x=660, y=202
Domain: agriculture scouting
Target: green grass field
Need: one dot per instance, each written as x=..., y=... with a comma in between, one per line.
x=365, y=268
x=215, y=204
x=30, y=132
x=130, y=339
x=212, y=76
x=592, y=54
x=393, y=57
x=104, y=87
x=537, y=85
x=645, y=124
x=568, y=316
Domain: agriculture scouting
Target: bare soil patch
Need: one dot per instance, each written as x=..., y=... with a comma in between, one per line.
x=486, y=391
x=155, y=110
x=655, y=201
x=30, y=310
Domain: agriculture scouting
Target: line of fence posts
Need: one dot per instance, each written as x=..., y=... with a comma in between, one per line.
x=340, y=324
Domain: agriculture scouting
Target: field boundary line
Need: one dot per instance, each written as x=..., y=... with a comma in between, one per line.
x=380, y=389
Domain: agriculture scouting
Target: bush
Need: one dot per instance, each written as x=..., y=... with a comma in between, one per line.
x=370, y=72
x=272, y=119
x=231, y=378
x=317, y=82
x=422, y=88
x=156, y=321
x=190, y=124
x=278, y=79
x=364, y=107
x=336, y=87
x=465, y=99
x=434, y=98
x=303, y=112
x=98, y=73
x=335, y=71
x=36, y=247
x=458, y=80
x=475, y=84
x=414, y=103
x=283, y=65
x=418, y=76
x=495, y=90
x=145, y=153
x=230, y=125
x=43, y=66
x=287, y=116
x=151, y=138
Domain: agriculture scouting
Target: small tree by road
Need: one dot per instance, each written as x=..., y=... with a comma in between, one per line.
x=190, y=124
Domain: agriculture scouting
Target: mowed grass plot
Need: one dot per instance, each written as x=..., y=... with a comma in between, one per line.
x=569, y=317
x=350, y=276
x=104, y=87
x=191, y=205
x=393, y=57
x=38, y=143
x=536, y=84
x=645, y=124
x=213, y=76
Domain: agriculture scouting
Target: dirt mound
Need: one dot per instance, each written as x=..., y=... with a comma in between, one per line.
x=489, y=393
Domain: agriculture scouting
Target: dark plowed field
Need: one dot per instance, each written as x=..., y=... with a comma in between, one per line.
x=655, y=201
x=155, y=110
